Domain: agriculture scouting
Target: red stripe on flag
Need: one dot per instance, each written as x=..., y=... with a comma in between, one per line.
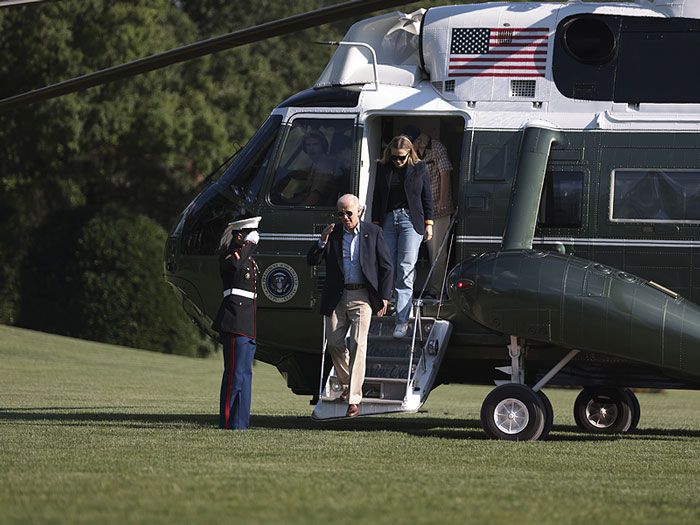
x=520, y=29
x=509, y=68
x=496, y=75
x=531, y=38
x=499, y=60
x=521, y=51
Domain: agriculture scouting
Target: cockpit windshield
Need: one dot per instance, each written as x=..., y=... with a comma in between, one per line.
x=245, y=173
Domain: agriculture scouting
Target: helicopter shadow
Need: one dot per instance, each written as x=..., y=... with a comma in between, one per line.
x=78, y=416
x=427, y=427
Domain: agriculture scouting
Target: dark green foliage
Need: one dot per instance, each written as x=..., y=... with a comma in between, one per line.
x=47, y=287
x=116, y=290
x=144, y=143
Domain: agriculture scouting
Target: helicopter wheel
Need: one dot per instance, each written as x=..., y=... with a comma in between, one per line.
x=636, y=409
x=604, y=410
x=548, y=414
x=513, y=412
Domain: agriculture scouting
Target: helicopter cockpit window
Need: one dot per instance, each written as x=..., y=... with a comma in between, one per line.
x=246, y=171
x=561, y=203
x=316, y=163
x=655, y=196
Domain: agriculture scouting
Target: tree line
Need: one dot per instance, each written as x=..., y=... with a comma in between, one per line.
x=91, y=182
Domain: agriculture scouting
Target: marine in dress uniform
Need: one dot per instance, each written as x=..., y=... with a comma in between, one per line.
x=235, y=320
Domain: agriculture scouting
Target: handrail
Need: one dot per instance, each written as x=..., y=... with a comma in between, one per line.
x=365, y=45
x=417, y=303
x=323, y=360
x=437, y=255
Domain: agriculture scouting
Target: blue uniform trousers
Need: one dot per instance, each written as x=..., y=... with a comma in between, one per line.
x=236, y=383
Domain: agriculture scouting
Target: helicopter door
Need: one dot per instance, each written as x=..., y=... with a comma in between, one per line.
x=317, y=162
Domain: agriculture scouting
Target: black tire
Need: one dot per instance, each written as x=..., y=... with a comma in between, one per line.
x=513, y=412
x=548, y=414
x=603, y=410
x=636, y=409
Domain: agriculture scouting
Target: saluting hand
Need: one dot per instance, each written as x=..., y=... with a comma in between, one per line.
x=327, y=232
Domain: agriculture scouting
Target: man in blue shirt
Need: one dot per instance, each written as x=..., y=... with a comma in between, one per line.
x=359, y=282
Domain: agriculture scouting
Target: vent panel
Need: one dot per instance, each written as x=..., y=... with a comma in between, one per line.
x=523, y=88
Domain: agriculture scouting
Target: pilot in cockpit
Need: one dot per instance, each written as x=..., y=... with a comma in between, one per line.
x=321, y=171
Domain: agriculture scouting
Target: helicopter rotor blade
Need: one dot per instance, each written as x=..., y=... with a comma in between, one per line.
x=198, y=49
x=10, y=3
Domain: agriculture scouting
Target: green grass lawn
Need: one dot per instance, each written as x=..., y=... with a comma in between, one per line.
x=92, y=433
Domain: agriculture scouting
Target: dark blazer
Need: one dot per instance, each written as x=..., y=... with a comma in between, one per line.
x=375, y=262
x=237, y=267
x=418, y=195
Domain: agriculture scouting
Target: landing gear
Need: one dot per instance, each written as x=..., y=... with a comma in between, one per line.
x=515, y=412
x=606, y=410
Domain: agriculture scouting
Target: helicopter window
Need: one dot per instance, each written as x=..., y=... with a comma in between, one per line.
x=316, y=163
x=589, y=40
x=247, y=170
x=207, y=218
x=491, y=162
x=561, y=203
x=655, y=196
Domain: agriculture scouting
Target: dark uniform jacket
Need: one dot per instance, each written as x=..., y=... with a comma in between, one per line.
x=418, y=195
x=375, y=263
x=238, y=270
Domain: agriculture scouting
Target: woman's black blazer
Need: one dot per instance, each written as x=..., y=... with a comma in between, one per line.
x=418, y=195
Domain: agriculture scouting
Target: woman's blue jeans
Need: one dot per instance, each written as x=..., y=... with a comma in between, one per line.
x=403, y=242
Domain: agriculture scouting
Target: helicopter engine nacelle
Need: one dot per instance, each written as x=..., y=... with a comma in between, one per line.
x=580, y=304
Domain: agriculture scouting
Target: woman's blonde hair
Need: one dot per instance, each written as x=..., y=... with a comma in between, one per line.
x=400, y=142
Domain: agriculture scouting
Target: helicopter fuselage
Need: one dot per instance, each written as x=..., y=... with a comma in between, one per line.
x=619, y=193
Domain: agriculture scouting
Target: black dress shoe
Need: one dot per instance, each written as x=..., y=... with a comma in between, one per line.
x=353, y=411
x=344, y=395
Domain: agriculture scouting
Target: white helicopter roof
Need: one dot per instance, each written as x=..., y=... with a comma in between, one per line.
x=431, y=75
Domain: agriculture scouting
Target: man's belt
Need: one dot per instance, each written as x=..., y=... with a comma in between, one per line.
x=355, y=286
x=241, y=292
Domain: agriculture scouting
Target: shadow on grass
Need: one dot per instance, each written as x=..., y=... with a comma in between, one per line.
x=435, y=427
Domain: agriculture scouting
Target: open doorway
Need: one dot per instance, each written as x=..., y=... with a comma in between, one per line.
x=440, y=145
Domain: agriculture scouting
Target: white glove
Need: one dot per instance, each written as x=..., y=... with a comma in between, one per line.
x=253, y=237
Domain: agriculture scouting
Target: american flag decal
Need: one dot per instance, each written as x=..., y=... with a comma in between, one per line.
x=498, y=52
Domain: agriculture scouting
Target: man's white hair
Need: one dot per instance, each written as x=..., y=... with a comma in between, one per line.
x=353, y=200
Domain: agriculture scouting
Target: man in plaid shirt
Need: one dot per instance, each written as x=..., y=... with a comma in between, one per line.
x=434, y=154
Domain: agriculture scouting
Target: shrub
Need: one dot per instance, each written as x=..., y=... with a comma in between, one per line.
x=116, y=292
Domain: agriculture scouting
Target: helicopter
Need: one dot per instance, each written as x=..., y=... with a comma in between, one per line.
x=574, y=132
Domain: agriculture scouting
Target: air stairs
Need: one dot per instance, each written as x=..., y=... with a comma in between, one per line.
x=400, y=372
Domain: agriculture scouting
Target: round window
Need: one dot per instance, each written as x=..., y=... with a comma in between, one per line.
x=589, y=40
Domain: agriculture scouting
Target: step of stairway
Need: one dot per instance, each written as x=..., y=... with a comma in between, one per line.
x=384, y=326
x=391, y=348
x=384, y=371
x=385, y=380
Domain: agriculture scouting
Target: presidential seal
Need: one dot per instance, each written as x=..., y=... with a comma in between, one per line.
x=280, y=282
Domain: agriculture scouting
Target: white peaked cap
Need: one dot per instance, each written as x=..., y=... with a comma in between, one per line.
x=245, y=224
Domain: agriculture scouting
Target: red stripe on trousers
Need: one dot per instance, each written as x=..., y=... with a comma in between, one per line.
x=229, y=383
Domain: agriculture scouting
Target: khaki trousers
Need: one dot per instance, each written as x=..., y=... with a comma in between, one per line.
x=440, y=227
x=346, y=331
